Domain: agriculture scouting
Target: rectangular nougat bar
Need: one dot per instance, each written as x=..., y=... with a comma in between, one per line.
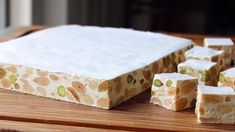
x=88, y=65
x=206, y=72
x=174, y=91
x=227, y=78
x=225, y=44
x=215, y=105
x=206, y=54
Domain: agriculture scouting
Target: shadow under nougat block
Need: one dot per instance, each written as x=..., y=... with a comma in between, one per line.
x=227, y=78
x=225, y=44
x=215, y=105
x=206, y=72
x=206, y=54
x=174, y=91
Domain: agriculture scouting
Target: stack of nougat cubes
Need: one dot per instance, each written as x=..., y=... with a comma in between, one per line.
x=203, y=81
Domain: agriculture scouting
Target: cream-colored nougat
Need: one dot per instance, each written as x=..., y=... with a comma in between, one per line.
x=227, y=78
x=215, y=105
x=225, y=44
x=206, y=54
x=207, y=72
x=174, y=91
x=94, y=66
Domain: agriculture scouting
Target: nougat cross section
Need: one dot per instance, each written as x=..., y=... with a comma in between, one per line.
x=206, y=72
x=215, y=105
x=225, y=44
x=206, y=54
x=174, y=91
x=227, y=78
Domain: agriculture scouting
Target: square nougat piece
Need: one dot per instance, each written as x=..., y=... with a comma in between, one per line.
x=206, y=54
x=227, y=78
x=207, y=72
x=174, y=91
x=215, y=105
x=225, y=44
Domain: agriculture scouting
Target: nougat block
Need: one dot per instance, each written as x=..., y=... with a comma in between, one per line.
x=225, y=44
x=227, y=78
x=94, y=66
x=206, y=54
x=215, y=105
x=174, y=91
x=206, y=72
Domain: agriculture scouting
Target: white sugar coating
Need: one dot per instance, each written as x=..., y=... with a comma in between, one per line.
x=102, y=53
x=174, y=76
x=197, y=64
x=199, y=51
x=229, y=72
x=218, y=41
x=215, y=90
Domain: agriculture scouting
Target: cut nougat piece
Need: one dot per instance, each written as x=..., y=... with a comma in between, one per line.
x=225, y=44
x=227, y=78
x=215, y=105
x=174, y=91
x=206, y=54
x=206, y=72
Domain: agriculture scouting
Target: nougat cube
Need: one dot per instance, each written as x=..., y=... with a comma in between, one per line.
x=227, y=78
x=225, y=44
x=206, y=72
x=174, y=91
x=206, y=54
x=215, y=105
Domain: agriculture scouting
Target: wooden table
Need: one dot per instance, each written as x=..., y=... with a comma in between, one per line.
x=31, y=113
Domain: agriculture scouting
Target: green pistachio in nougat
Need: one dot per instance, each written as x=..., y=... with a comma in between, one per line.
x=157, y=83
x=168, y=83
x=61, y=91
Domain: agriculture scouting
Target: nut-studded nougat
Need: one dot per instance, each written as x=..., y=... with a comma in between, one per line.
x=227, y=78
x=215, y=105
x=174, y=91
x=225, y=44
x=94, y=66
x=206, y=54
x=207, y=72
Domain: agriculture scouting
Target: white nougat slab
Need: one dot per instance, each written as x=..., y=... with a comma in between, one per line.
x=88, y=65
x=102, y=53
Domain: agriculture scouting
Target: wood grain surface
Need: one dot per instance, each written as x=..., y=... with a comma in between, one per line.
x=7, y=125
x=30, y=113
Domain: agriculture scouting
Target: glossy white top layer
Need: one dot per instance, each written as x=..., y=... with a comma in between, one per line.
x=218, y=41
x=175, y=76
x=102, y=53
x=229, y=72
x=199, y=51
x=215, y=90
x=197, y=64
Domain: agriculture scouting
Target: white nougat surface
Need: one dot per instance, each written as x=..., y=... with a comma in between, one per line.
x=197, y=64
x=101, y=53
x=175, y=76
x=229, y=72
x=215, y=90
x=203, y=51
x=218, y=41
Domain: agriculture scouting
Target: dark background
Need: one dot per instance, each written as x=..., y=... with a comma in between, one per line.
x=185, y=16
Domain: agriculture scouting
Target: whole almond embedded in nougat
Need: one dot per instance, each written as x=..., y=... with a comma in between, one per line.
x=95, y=66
